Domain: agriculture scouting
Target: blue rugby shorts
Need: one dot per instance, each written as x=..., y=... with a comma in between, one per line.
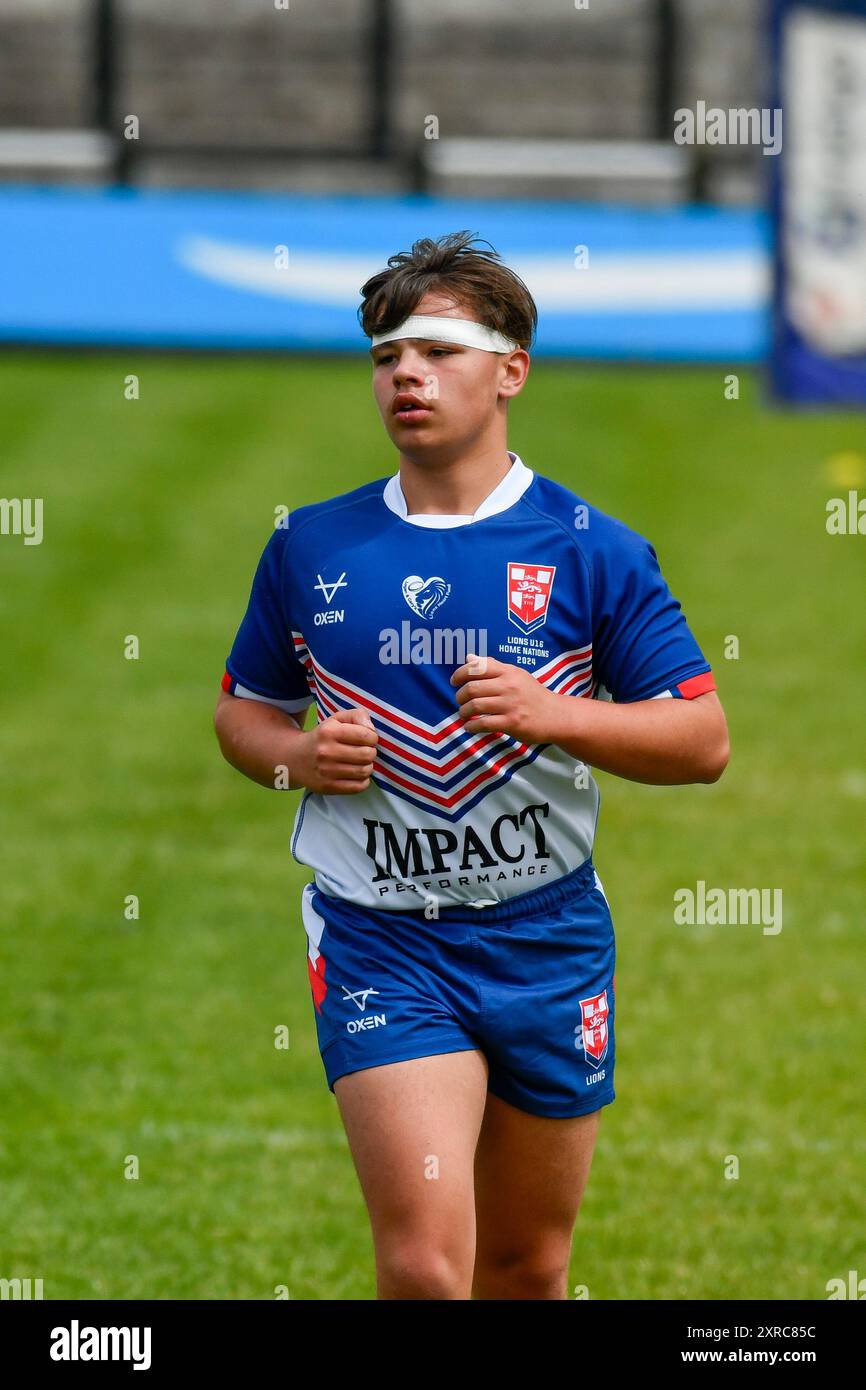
x=529, y=982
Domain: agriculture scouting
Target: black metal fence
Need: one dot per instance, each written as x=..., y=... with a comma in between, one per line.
x=357, y=79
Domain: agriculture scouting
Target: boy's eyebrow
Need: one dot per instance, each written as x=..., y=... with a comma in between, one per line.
x=442, y=341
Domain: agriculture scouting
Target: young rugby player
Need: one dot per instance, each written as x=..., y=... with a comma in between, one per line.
x=475, y=637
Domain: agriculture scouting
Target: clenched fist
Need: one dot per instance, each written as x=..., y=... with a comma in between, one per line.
x=495, y=697
x=337, y=756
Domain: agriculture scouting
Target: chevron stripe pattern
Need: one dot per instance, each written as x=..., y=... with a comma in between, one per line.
x=443, y=768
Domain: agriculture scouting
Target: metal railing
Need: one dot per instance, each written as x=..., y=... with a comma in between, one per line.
x=104, y=148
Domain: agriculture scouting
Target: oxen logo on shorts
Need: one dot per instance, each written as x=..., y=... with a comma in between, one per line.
x=359, y=996
x=592, y=1031
x=529, y=589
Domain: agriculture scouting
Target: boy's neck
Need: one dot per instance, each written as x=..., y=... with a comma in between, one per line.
x=455, y=488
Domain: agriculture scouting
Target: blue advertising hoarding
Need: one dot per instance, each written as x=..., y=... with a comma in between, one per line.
x=247, y=271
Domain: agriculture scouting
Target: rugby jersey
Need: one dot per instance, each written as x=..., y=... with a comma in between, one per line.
x=357, y=604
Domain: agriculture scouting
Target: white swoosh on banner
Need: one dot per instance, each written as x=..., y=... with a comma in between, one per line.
x=612, y=284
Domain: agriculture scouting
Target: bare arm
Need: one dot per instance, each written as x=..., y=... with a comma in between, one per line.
x=662, y=742
x=335, y=757
x=256, y=738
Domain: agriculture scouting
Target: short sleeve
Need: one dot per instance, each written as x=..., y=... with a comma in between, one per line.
x=643, y=648
x=262, y=664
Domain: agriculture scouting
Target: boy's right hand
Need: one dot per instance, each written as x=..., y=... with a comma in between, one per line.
x=336, y=757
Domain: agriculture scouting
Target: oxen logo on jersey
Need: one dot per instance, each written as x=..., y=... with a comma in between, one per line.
x=425, y=596
x=593, y=1026
x=529, y=589
x=330, y=589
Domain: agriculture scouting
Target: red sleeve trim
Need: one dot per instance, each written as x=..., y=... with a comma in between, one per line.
x=697, y=685
x=226, y=681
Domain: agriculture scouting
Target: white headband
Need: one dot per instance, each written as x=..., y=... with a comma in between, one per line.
x=446, y=330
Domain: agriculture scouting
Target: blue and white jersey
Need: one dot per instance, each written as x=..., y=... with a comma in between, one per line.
x=355, y=603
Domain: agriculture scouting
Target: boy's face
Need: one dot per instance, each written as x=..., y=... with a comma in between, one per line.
x=460, y=390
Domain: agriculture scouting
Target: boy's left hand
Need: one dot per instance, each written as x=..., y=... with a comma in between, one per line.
x=495, y=697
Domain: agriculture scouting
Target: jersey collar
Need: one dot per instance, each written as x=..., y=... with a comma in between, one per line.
x=504, y=495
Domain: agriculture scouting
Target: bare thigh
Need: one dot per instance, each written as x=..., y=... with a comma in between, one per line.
x=530, y=1175
x=412, y=1129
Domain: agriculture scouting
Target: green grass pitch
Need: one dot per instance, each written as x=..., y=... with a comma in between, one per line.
x=155, y=1037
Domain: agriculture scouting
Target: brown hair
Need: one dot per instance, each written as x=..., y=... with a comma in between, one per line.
x=453, y=266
